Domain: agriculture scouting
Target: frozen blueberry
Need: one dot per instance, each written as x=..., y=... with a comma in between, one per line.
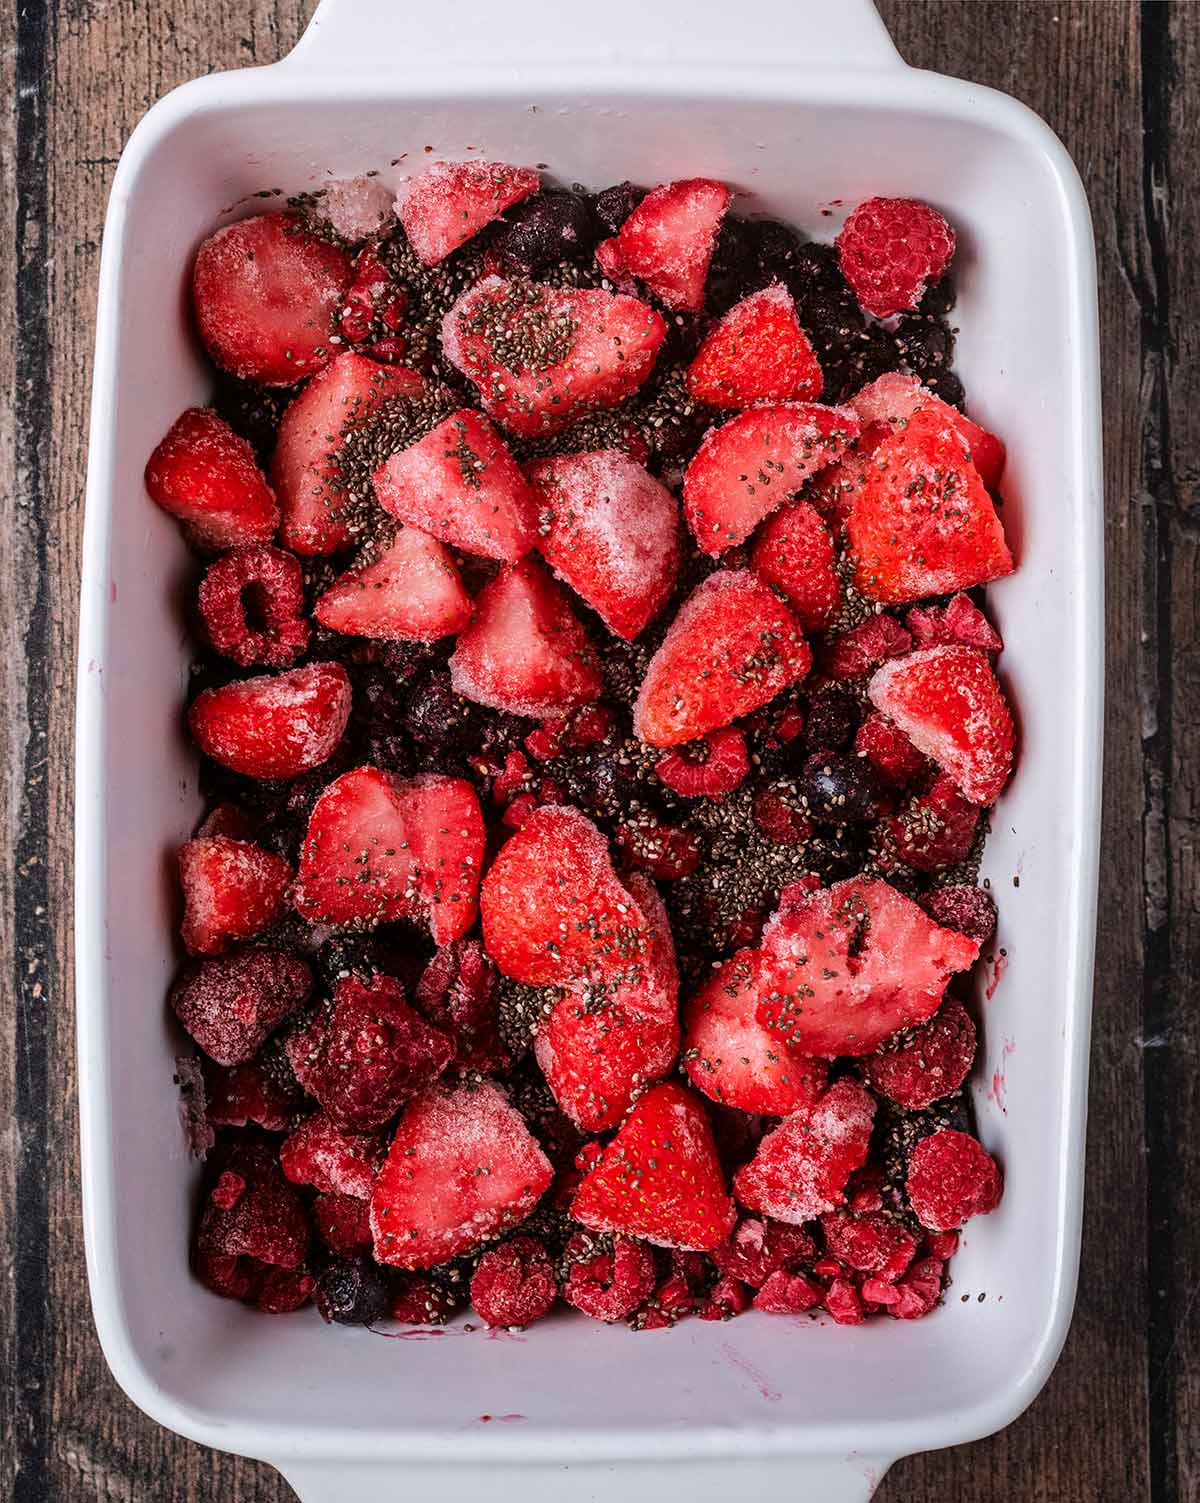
x=837, y=788
x=549, y=227
x=613, y=206
x=352, y=1292
x=833, y=717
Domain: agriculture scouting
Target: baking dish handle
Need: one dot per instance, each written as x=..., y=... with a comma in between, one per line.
x=385, y=36
x=803, y=1480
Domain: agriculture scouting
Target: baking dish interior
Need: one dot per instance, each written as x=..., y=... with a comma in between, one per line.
x=220, y=1372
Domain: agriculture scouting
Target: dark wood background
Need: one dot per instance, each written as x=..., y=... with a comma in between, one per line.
x=1120, y=1418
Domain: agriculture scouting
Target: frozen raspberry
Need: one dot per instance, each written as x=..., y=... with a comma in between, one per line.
x=726, y=1299
x=252, y=1217
x=667, y=852
x=374, y=302
x=836, y=788
x=608, y=1286
x=591, y=724
x=512, y=779
x=864, y=1189
x=890, y=250
x=844, y=1303
x=613, y=206
x=931, y=1062
x=230, y=1003
x=249, y=1093
x=418, y=1301
x=671, y=1301
x=942, y=1245
x=760, y=1247
x=861, y=649
x=390, y=351
x=779, y=815
x=283, y=1290
x=952, y=1177
x=353, y=1292
x=519, y=810
x=889, y=751
x=788, y=1294
x=546, y=741
x=934, y=829
x=958, y=622
x=513, y=1284
x=707, y=769
x=343, y=1223
x=252, y=601
x=457, y=993
x=869, y=1244
x=227, y=1191
x=919, y=1290
x=968, y=909
x=320, y=1154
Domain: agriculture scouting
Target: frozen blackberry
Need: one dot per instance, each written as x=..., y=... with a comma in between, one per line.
x=926, y=344
x=833, y=717
x=946, y=385
x=352, y=1292
x=551, y=226
x=613, y=206
x=253, y=412
x=734, y=270
x=347, y=955
x=777, y=249
x=377, y=722
x=436, y=716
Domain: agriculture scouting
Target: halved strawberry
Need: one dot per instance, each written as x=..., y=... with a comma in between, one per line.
x=204, y=474
x=668, y=240
x=846, y=967
x=949, y=704
x=462, y=1168
x=756, y=353
x=733, y=646
x=266, y=293
x=462, y=485
x=410, y=592
x=554, y=910
x=660, y=1177
x=893, y=398
x=332, y=1160
x=276, y=725
x=598, y=1046
x=380, y=847
x=525, y=651
x=750, y=465
x=801, y=1168
x=731, y=1057
x=319, y=514
x=232, y=889
x=794, y=552
x=922, y=523
x=541, y=355
x=611, y=530
x=445, y=205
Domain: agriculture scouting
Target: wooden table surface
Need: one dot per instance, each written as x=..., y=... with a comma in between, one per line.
x=1120, y=1418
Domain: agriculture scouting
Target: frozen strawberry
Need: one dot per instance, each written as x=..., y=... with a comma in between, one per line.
x=952, y=1177
x=608, y=1285
x=923, y=524
x=230, y=1003
x=275, y=725
x=731, y=1057
x=794, y=552
x=457, y=992
x=238, y=1095
x=460, y=484
x=930, y=1062
x=801, y=1167
x=667, y=852
x=893, y=398
x=526, y=651
x=748, y=467
x=948, y=703
x=554, y=910
x=890, y=250
x=732, y=646
x=788, y=1294
x=959, y=622
x=411, y=592
x=445, y=205
x=543, y=356
x=894, y=758
x=343, y=1223
x=756, y=353
x=667, y=242
x=381, y=847
x=709, y=768
x=968, y=909
x=864, y=647
x=231, y=890
x=330, y=1158
x=252, y=601
x=871, y=1244
x=834, y=489
x=611, y=531
x=319, y=513
x=205, y=475
x=513, y=1284
x=252, y=1220
x=847, y=966
x=462, y=1168
x=659, y=1178
x=598, y=1047
x=266, y=293
x=759, y=1248
x=934, y=829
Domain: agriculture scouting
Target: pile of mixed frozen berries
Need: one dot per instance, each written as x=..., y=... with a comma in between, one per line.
x=597, y=739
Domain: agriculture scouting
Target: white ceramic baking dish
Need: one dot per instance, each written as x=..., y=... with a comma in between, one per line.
x=801, y=105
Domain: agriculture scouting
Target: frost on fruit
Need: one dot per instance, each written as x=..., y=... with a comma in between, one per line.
x=356, y=208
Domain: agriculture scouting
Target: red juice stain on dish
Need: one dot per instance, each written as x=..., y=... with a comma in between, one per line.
x=736, y=1360
x=999, y=1090
x=999, y=966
